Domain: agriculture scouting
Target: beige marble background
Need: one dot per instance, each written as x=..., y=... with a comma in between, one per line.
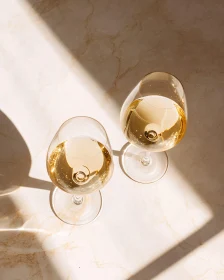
x=64, y=58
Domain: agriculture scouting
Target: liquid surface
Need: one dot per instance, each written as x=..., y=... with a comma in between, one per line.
x=155, y=123
x=80, y=165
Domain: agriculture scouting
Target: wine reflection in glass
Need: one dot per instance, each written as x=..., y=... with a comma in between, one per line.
x=153, y=119
x=79, y=163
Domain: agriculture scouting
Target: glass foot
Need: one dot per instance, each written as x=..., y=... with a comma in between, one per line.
x=76, y=210
x=143, y=166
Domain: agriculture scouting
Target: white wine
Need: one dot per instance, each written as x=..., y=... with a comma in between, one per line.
x=155, y=123
x=80, y=165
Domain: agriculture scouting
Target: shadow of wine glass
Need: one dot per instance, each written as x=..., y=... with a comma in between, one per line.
x=21, y=253
x=15, y=160
x=15, y=164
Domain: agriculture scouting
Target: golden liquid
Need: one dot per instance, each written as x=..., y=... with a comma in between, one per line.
x=80, y=165
x=155, y=123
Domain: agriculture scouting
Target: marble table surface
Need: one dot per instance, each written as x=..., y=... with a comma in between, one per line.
x=64, y=58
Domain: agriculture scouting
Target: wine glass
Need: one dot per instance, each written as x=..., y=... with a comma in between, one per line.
x=153, y=119
x=79, y=163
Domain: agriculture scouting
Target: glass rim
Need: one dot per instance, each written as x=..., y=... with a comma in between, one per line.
x=84, y=117
x=162, y=72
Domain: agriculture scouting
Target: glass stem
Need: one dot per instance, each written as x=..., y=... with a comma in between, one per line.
x=146, y=159
x=77, y=199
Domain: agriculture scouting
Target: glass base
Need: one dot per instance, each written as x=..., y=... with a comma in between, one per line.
x=69, y=212
x=143, y=166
